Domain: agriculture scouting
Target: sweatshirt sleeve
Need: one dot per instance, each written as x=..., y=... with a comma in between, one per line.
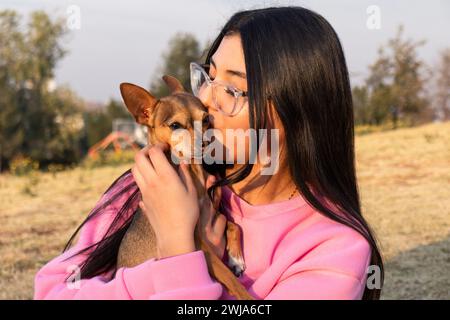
x=335, y=271
x=179, y=277
x=183, y=276
x=318, y=285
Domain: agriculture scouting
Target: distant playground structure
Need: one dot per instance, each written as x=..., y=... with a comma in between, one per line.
x=125, y=134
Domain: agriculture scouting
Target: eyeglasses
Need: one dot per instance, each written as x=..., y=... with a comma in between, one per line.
x=226, y=98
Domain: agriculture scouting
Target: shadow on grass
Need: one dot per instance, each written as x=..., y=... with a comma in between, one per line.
x=419, y=273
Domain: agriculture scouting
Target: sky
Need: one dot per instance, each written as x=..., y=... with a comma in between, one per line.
x=122, y=41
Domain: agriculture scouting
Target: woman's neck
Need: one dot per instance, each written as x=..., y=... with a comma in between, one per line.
x=258, y=189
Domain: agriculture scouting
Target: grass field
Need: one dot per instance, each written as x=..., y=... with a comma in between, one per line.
x=404, y=180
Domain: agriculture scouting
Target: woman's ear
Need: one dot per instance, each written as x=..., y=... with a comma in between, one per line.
x=139, y=102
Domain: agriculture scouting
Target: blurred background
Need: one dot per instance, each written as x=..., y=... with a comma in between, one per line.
x=65, y=134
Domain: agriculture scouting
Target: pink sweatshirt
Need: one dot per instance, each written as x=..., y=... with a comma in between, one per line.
x=290, y=250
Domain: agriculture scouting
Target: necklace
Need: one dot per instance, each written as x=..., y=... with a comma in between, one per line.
x=293, y=192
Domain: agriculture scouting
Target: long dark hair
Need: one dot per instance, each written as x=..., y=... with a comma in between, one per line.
x=294, y=59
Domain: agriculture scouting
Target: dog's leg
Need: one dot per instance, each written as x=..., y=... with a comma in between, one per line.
x=234, y=249
x=221, y=273
x=233, y=236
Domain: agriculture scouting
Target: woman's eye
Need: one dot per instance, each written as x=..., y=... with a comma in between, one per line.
x=229, y=91
x=174, y=126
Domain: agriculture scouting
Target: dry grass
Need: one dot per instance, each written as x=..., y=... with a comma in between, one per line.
x=404, y=180
x=38, y=219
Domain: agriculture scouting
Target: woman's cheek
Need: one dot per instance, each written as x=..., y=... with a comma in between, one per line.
x=232, y=133
x=242, y=152
x=238, y=136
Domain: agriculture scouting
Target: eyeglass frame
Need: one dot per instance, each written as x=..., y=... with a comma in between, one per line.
x=236, y=92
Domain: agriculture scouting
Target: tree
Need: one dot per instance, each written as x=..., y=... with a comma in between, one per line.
x=360, y=102
x=442, y=96
x=42, y=52
x=379, y=85
x=33, y=119
x=395, y=86
x=407, y=91
x=64, y=144
x=183, y=49
x=11, y=42
x=116, y=109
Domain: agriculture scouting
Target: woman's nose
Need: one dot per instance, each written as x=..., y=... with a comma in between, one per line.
x=205, y=96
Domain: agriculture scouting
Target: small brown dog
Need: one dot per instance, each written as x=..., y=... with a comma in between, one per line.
x=163, y=116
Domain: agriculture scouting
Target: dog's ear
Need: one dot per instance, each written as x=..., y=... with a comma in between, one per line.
x=174, y=84
x=139, y=102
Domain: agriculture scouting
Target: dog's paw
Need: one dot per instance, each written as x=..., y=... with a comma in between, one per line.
x=236, y=264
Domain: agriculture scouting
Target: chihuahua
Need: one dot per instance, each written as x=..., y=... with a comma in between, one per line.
x=162, y=117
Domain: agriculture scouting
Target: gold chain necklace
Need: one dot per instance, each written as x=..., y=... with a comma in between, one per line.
x=293, y=192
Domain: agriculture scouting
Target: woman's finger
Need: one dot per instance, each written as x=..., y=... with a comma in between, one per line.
x=144, y=165
x=208, y=208
x=143, y=207
x=210, y=181
x=219, y=224
x=182, y=175
x=139, y=179
x=159, y=160
x=207, y=212
x=217, y=194
x=187, y=178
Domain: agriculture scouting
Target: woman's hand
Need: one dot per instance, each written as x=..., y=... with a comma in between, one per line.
x=169, y=200
x=212, y=226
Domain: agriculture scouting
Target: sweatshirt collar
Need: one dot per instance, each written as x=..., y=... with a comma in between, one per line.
x=236, y=206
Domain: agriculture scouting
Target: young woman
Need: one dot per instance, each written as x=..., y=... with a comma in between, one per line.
x=304, y=236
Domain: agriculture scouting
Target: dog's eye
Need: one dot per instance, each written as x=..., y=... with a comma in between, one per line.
x=175, y=125
x=205, y=121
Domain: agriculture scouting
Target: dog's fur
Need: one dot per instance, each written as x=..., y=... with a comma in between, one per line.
x=139, y=243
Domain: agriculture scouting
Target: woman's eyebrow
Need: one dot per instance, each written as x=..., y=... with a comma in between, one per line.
x=232, y=72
